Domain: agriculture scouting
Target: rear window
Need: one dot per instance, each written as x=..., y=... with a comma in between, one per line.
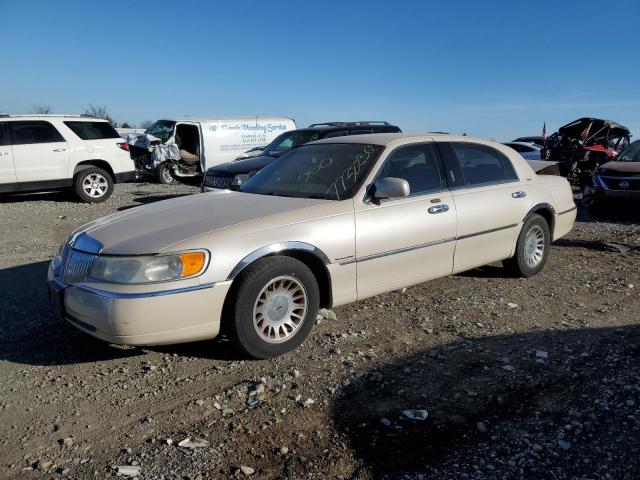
x=92, y=130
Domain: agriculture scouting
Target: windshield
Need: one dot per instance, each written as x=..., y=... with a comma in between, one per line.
x=285, y=142
x=163, y=129
x=630, y=154
x=331, y=171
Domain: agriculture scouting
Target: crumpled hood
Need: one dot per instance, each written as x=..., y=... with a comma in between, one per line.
x=155, y=227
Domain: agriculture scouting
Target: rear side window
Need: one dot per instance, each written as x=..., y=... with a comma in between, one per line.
x=4, y=135
x=479, y=165
x=92, y=130
x=418, y=165
x=26, y=133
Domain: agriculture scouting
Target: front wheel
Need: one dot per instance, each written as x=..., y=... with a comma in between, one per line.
x=274, y=308
x=165, y=175
x=532, y=249
x=93, y=185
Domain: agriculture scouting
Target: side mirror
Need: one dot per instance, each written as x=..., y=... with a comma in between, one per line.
x=390, y=187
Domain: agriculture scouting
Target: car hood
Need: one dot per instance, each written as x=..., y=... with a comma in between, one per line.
x=619, y=168
x=156, y=227
x=241, y=166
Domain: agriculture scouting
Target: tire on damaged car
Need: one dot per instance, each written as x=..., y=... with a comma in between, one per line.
x=274, y=307
x=164, y=174
x=532, y=247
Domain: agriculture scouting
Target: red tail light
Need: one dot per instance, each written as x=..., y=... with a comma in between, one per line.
x=124, y=146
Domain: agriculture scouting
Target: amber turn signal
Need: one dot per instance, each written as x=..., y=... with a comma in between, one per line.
x=192, y=263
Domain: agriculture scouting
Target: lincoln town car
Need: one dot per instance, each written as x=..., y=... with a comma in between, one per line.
x=329, y=223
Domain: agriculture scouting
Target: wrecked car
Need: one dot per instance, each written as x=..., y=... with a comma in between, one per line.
x=186, y=147
x=583, y=145
x=618, y=179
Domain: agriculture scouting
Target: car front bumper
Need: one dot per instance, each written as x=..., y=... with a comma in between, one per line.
x=158, y=317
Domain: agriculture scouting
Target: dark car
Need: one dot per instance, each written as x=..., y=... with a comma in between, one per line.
x=233, y=174
x=618, y=179
x=536, y=139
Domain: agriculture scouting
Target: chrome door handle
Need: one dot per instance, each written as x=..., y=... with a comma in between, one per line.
x=443, y=207
x=2, y=154
x=59, y=149
x=519, y=194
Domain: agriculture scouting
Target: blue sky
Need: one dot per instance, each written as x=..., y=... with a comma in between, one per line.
x=493, y=69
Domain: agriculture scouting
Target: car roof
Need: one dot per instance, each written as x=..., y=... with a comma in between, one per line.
x=388, y=139
x=524, y=144
x=52, y=115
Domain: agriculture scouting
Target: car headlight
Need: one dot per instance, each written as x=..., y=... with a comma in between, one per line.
x=149, y=269
x=239, y=179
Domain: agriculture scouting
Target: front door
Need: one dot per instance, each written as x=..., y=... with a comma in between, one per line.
x=40, y=153
x=405, y=241
x=7, y=169
x=490, y=203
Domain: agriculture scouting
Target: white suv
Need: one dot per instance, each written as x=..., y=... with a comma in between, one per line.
x=51, y=152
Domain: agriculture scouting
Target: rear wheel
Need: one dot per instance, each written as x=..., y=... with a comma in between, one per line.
x=274, y=308
x=532, y=249
x=165, y=175
x=93, y=185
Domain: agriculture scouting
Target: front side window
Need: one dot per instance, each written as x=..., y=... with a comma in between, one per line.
x=92, y=130
x=30, y=132
x=331, y=171
x=630, y=154
x=418, y=165
x=480, y=164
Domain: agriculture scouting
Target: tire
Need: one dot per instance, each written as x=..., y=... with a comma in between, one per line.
x=164, y=174
x=532, y=248
x=93, y=185
x=257, y=318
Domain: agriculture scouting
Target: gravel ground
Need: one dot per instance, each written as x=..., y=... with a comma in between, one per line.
x=472, y=376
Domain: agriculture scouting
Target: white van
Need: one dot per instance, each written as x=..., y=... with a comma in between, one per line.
x=186, y=147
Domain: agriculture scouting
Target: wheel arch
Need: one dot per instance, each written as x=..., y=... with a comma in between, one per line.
x=314, y=258
x=103, y=164
x=546, y=211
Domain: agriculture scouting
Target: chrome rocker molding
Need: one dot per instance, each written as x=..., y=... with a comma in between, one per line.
x=159, y=293
x=277, y=248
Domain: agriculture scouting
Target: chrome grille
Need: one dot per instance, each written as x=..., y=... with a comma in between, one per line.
x=76, y=266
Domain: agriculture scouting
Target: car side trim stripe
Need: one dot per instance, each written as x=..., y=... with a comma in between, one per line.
x=424, y=245
x=399, y=250
x=484, y=232
x=569, y=210
x=159, y=293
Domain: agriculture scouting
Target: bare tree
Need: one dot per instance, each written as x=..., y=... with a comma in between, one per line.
x=145, y=124
x=99, y=111
x=42, y=108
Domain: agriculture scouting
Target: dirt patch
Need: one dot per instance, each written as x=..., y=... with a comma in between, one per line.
x=464, y=348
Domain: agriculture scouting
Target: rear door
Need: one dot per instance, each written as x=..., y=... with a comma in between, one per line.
x=40, y=152
x=405, y=241
x=490, y=202
x=7, y=169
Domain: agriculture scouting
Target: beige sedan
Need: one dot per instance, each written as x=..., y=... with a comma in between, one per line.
x=331, y=222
